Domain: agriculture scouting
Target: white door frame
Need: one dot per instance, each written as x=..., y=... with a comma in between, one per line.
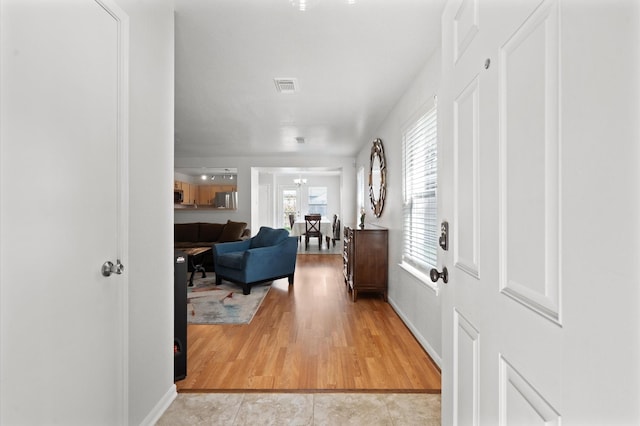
x=122, y=20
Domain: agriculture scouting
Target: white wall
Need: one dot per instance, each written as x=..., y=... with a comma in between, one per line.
x=151, y=386
x=600, y=214
x=332, y=183
x=414, y=301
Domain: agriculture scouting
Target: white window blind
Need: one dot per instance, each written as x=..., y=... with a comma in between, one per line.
x=318, y=200
x=420, y=169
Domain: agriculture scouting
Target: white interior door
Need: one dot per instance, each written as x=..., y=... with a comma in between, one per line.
x=539, y=181
x=501, y=191
x=64, y=212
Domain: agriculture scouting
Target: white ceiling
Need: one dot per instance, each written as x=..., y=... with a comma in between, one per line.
x=352, y=63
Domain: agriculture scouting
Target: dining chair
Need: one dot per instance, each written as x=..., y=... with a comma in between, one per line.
x=312, y=229
x=336, y=230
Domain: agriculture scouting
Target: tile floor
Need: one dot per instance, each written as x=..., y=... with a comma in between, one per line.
x=303, y=409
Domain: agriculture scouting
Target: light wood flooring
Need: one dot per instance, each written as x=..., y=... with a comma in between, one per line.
x=310, y=337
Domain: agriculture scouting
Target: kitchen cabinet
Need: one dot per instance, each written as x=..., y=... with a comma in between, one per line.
x=206, y=193
x=189, y=191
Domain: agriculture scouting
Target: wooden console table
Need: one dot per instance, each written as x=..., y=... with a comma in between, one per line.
x=365, y=259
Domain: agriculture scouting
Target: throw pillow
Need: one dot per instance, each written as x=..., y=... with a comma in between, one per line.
x=269, y=237
x=232, y=231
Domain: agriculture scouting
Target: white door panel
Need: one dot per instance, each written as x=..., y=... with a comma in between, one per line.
x=64, y=211
x=466, y=371
x=529, y=163
x=539, y=180
x=499, y=186
x=520, y=403
x=466, y=190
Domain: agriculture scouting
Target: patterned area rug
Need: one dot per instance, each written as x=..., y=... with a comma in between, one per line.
x=208, y=303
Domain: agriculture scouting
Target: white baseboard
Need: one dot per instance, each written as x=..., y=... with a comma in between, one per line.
x=162, y=405
x=419, y=337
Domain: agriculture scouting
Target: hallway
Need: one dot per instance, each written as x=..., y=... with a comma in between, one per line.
x=311, y=337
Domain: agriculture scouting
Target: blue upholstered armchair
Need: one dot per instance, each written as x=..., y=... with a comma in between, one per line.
x=268, y=256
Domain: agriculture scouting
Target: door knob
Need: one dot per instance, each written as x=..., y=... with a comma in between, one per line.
x=109, y=268
x=435, y=275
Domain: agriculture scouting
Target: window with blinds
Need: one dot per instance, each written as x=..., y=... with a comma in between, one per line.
x=420, y=170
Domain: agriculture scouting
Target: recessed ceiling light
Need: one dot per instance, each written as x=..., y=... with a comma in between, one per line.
x=303, y=5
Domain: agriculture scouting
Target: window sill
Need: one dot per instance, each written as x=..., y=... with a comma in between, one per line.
x=423, y=278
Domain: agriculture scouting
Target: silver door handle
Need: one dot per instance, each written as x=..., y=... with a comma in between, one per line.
x=109, y=268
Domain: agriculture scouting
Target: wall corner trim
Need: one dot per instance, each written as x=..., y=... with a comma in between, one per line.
x=419, y=337
x=159, y=409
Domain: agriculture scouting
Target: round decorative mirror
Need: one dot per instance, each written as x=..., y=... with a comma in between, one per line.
x=377, y=178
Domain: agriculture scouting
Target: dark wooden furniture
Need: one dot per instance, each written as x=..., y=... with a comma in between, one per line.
x=365, y=259
x=180, y=315
x=312, y=229
x=196, y=258
x=336, y=230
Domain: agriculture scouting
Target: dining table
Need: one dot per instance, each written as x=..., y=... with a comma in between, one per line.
x=326, y=229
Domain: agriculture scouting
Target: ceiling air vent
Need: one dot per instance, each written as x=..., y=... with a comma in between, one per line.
x=286, y=85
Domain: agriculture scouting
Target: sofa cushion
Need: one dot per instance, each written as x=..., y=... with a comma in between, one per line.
x=185, y=232
x=269, y=237
x=231, y=260
x=210, y=232
x=232, y=231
